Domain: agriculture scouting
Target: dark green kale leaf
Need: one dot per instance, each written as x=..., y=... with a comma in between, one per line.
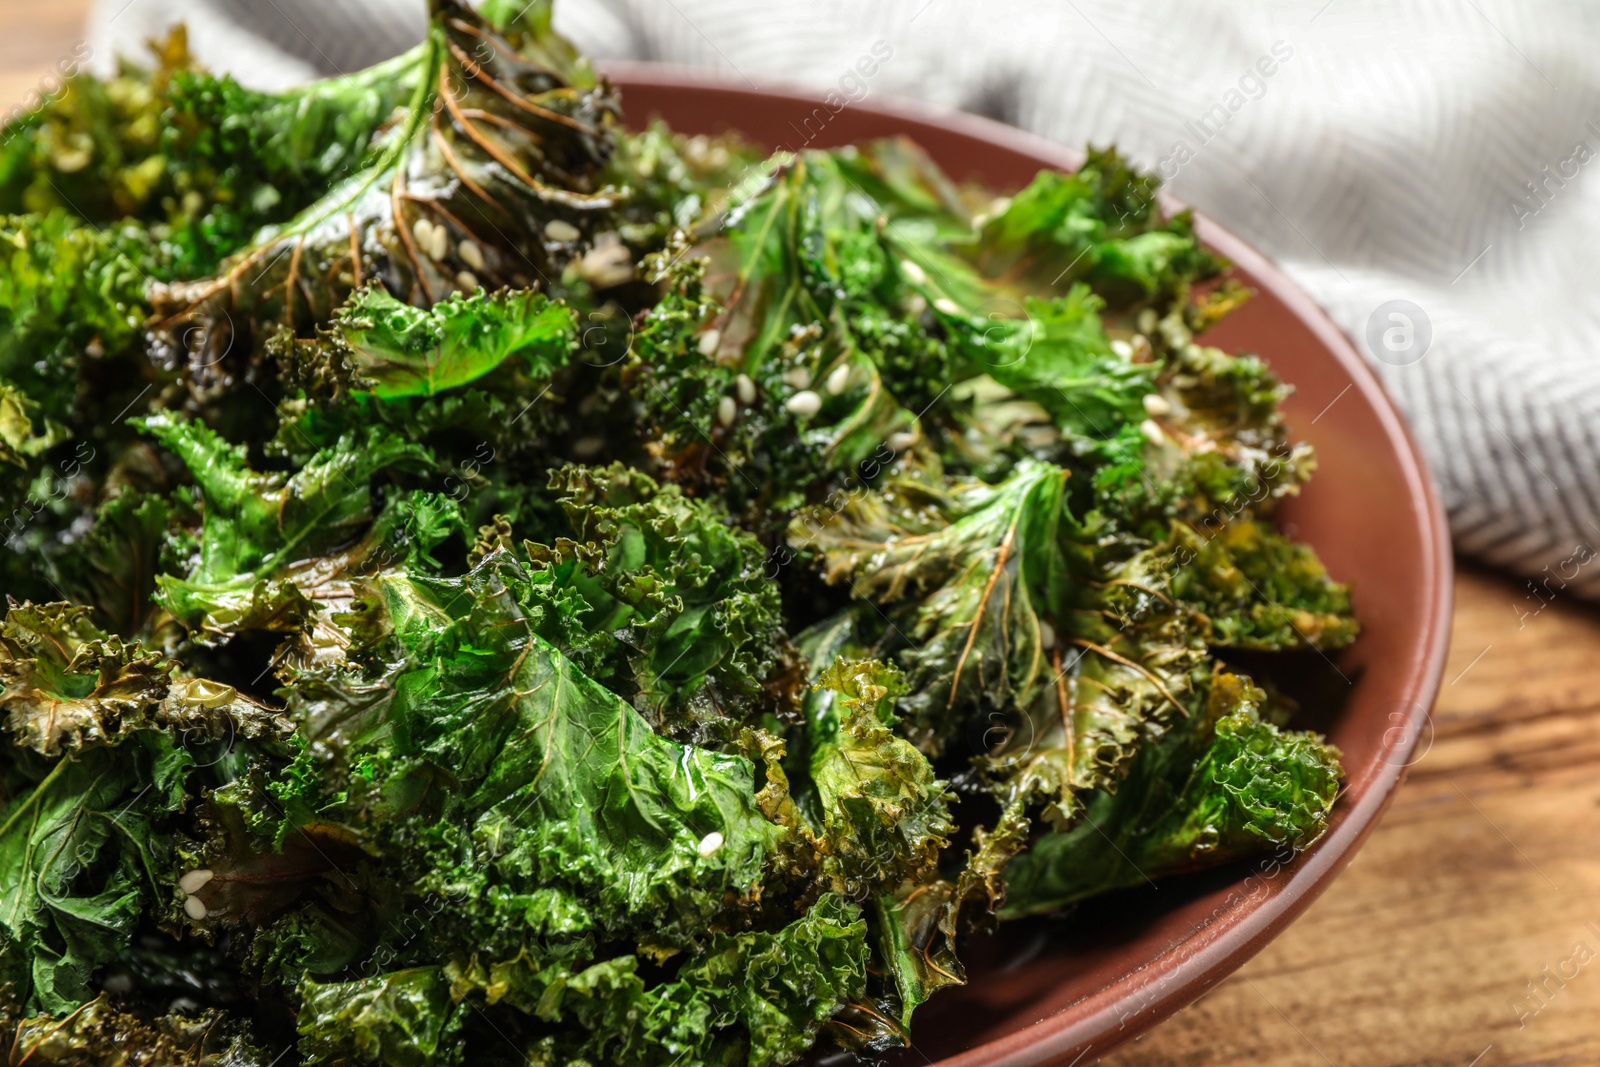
x=757, y=997
x=113, y=566
x=1058, y=356
x=85, y=847
x=406, y=1018
x=971, y=572
x=918, y=926
x=1215, y=448
x=270, y=540
x=573, y=843
x=559, y=780
x=69, y=295
x=1222, y=785
x=1129, y=664
x=765, y=368
x=378, y=345
x=488, y=178
x=70, y=314
x=662, y=599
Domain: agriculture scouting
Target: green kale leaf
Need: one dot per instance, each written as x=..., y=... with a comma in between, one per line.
x=1221, y=786
x=970, y=569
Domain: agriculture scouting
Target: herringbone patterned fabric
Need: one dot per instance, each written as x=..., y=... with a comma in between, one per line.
x=1434, y=151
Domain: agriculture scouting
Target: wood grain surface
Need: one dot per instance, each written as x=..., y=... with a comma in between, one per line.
x=1467, y=931
x=34, y=34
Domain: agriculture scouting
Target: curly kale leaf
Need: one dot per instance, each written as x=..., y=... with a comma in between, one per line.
x=20, y=438
x=1216, y=447
x=572, y=841
x=882, y=815
x=1101, y=225
x=1127, y=663
x=200, y=160
x=68, y=291
x=766, y=367
x=66, y=686
x=1258, y=589
x=560, y=781
x=379, y=345
x=1058, y=356
x=1222, y=785
x=661, y=598
x=269, y=539
x=970, y=570
x=71, y=310
x=919, y=925
x=488, y=178
x=406, y=1018
x=84, y=850
x=758, y=998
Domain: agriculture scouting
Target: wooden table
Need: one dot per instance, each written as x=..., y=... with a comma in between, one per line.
x=1480, y=885
x=1482, y=878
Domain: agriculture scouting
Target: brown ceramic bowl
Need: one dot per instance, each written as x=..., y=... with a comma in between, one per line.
x=1054, y=992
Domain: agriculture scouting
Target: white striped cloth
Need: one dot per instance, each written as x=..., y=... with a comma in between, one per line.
x=1436, y=152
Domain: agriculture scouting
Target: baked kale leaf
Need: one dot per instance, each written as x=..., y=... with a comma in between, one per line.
x=487, y=586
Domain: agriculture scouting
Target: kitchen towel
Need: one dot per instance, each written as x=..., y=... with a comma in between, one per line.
x=1421, y=168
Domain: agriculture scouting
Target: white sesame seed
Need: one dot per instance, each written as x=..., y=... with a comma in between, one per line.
x=584, y=447
x=422, y=230
x=727, y=410
x=709, y=342
x=467, y=280
x=913, y=272
x=471, y=254
x=709, y=843
x=948, y=306
x=1047, y=635
x=746, y=389
x=561, y=230
x=839, y=380
x=799, y=378
x=1122, y=348
x=1156, y=404
x=1152, y=432
x=195, y=908
x=901, y=442
x=195, y=881
x=804, y=403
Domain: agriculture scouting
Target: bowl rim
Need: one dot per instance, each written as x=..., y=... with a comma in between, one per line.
x=1100, y=1020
